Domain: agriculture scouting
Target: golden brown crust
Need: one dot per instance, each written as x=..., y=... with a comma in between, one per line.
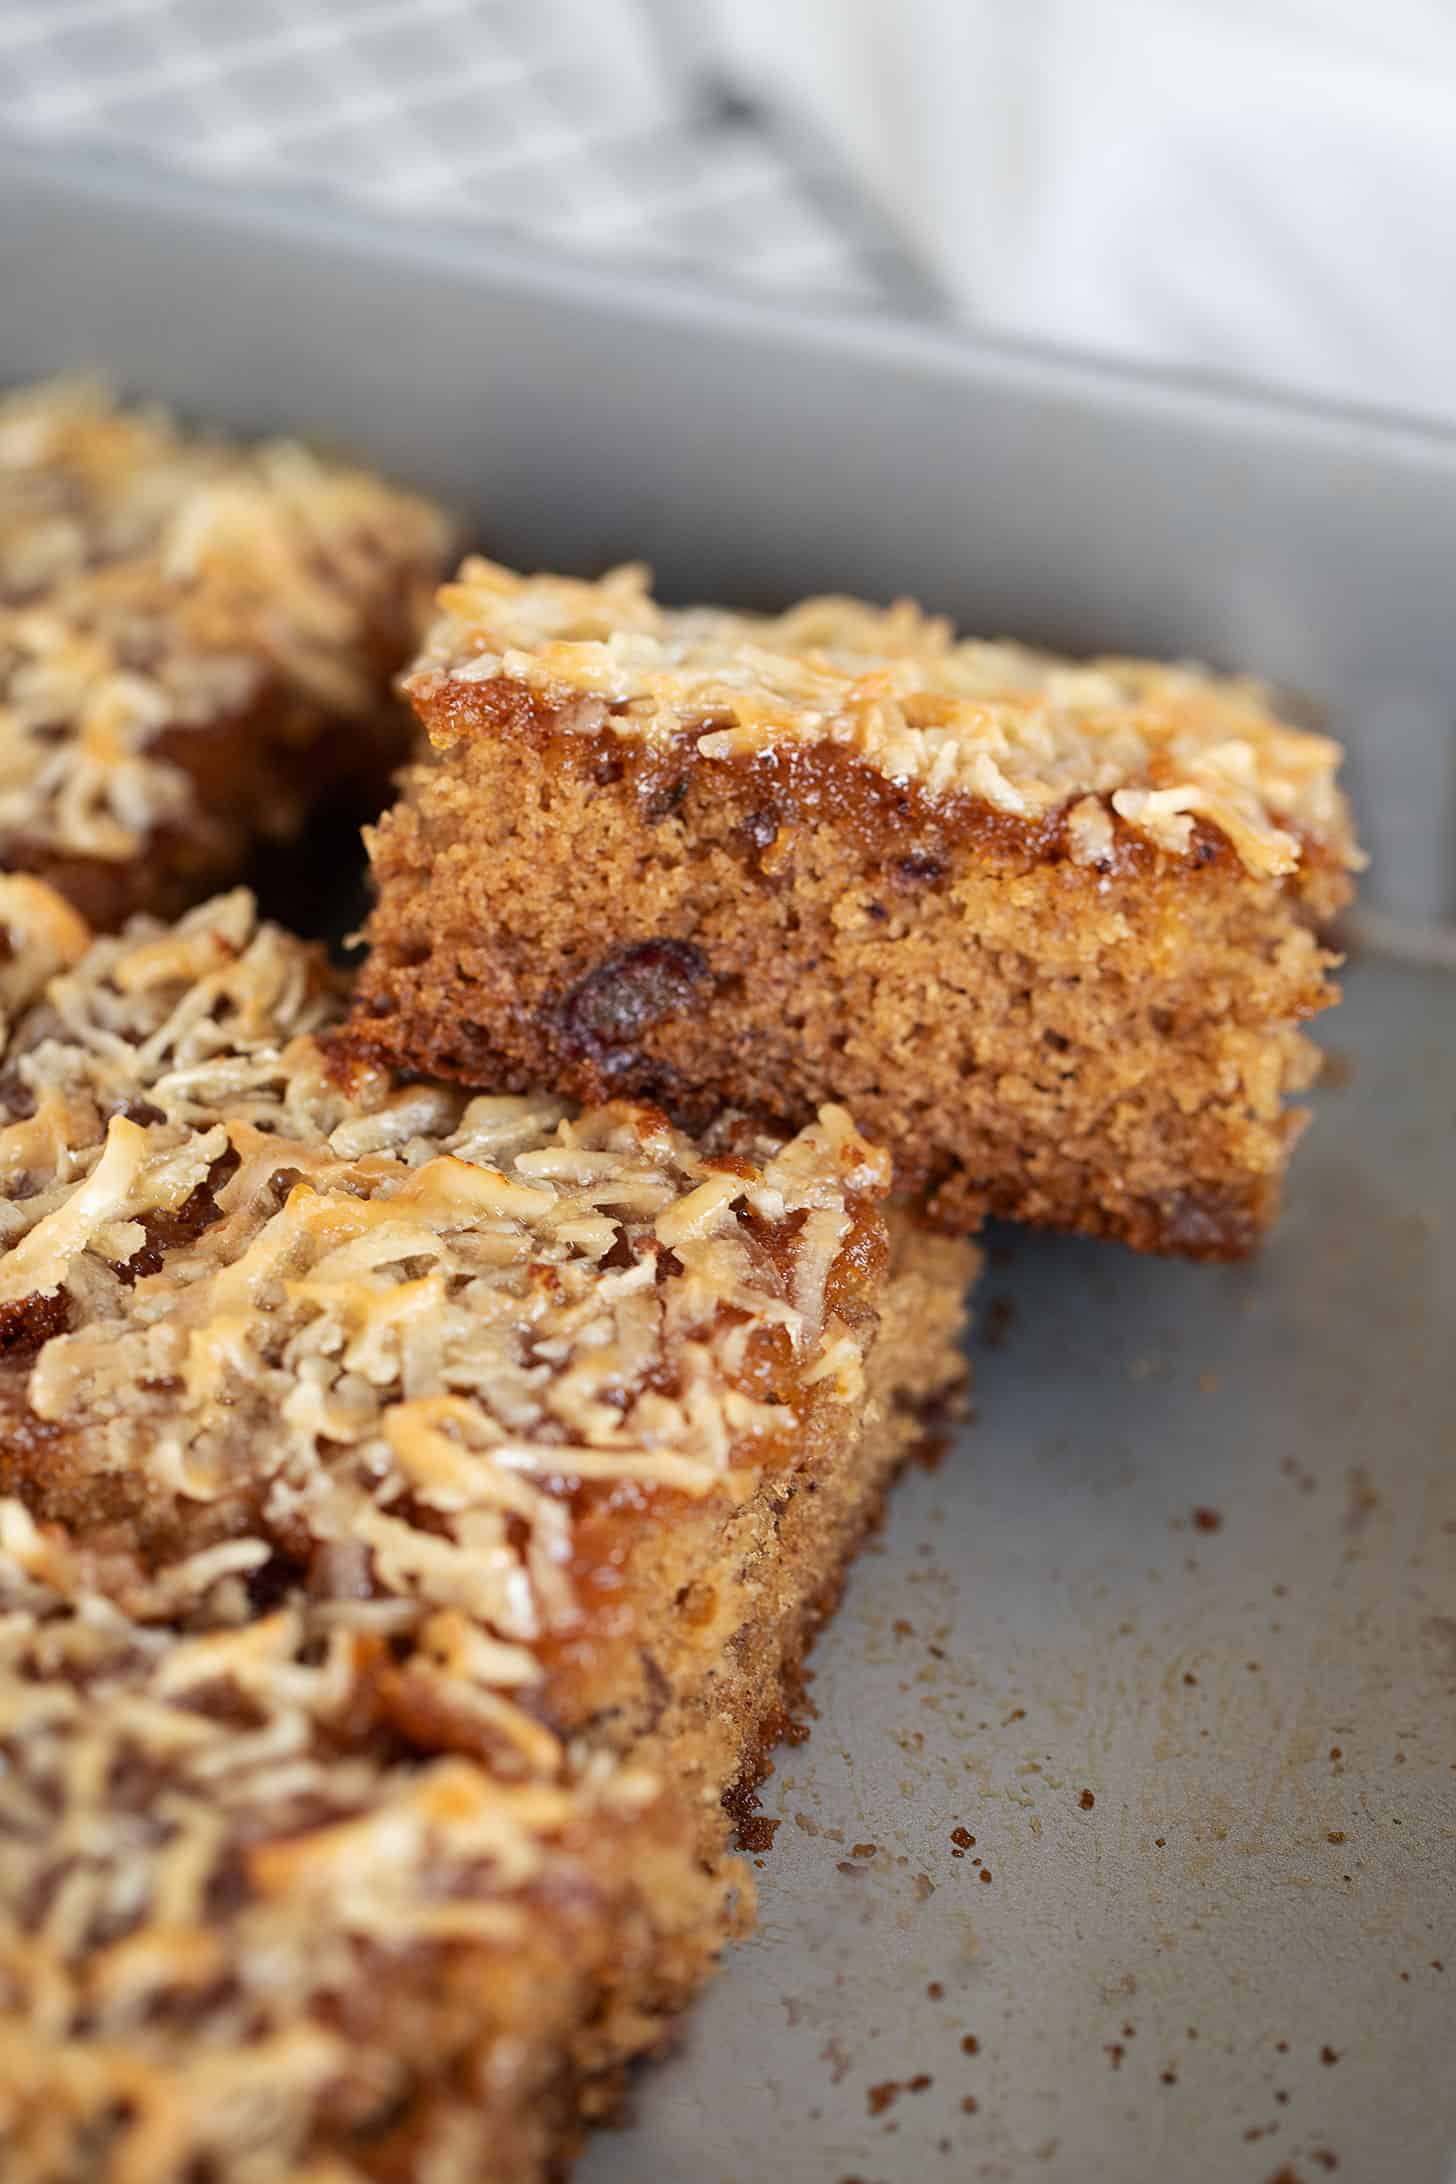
x=1096, y=1045
x=196, y=643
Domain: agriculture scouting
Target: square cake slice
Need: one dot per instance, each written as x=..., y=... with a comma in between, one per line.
x=1049, y=931
x=197, y=642
x=417, y=1506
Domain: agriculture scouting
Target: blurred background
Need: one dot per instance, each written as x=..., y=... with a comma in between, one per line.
x=1261, y=189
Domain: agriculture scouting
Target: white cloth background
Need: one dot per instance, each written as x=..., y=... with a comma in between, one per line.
x=1258, y=187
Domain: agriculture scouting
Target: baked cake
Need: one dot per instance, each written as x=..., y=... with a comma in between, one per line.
x=196, y=644
x=264, y=1917
x=440, y=1475
x=1048, y=930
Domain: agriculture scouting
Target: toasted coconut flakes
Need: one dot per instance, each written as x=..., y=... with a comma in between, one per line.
x=198, y=1857
x=149, y=581
x=399, y=1333
x=1025, y=733
x=388, y=1319
x=42, y=934
x=1090, y=832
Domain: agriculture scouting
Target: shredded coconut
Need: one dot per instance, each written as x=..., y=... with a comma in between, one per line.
x=282, y=1826
x=406, y=1322
x=152, y=582
x=215, y=1847
x=39, y=935
x=1020, y=731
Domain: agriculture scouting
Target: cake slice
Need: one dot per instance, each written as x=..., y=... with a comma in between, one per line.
x=417, y=1507
x=619, y=1399
x=196, y=645
x=1049, y=931
x=262, y=1916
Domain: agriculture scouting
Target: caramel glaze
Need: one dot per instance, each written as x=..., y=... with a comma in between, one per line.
x=808, y=784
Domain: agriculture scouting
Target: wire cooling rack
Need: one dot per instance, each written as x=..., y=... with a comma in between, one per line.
x=587, y=124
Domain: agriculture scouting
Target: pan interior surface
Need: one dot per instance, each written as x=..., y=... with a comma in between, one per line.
x=1122, y=1844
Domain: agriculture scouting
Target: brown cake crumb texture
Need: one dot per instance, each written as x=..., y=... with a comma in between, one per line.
x=1048, y=930
x=419, y=1505
x=196, y=643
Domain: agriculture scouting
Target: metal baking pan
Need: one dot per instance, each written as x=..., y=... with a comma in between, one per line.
x=1171, y=1630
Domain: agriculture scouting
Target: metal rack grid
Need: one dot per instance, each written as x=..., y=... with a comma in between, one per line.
x=600, y=127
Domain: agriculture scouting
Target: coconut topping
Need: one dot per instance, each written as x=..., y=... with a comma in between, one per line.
x=402, y=1324
x=219, y=1850
x=151, y=582
x=1156, y=748
x=40, y=934
x=284, y=1821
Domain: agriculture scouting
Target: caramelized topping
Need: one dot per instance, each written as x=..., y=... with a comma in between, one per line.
x=404, y=1324
x=150, y=582
x=1156, y=747
x=208, y=1855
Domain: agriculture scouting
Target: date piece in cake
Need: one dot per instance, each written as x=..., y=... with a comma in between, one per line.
x=1049, y=931
x=196, y=645
x=621, y=1399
